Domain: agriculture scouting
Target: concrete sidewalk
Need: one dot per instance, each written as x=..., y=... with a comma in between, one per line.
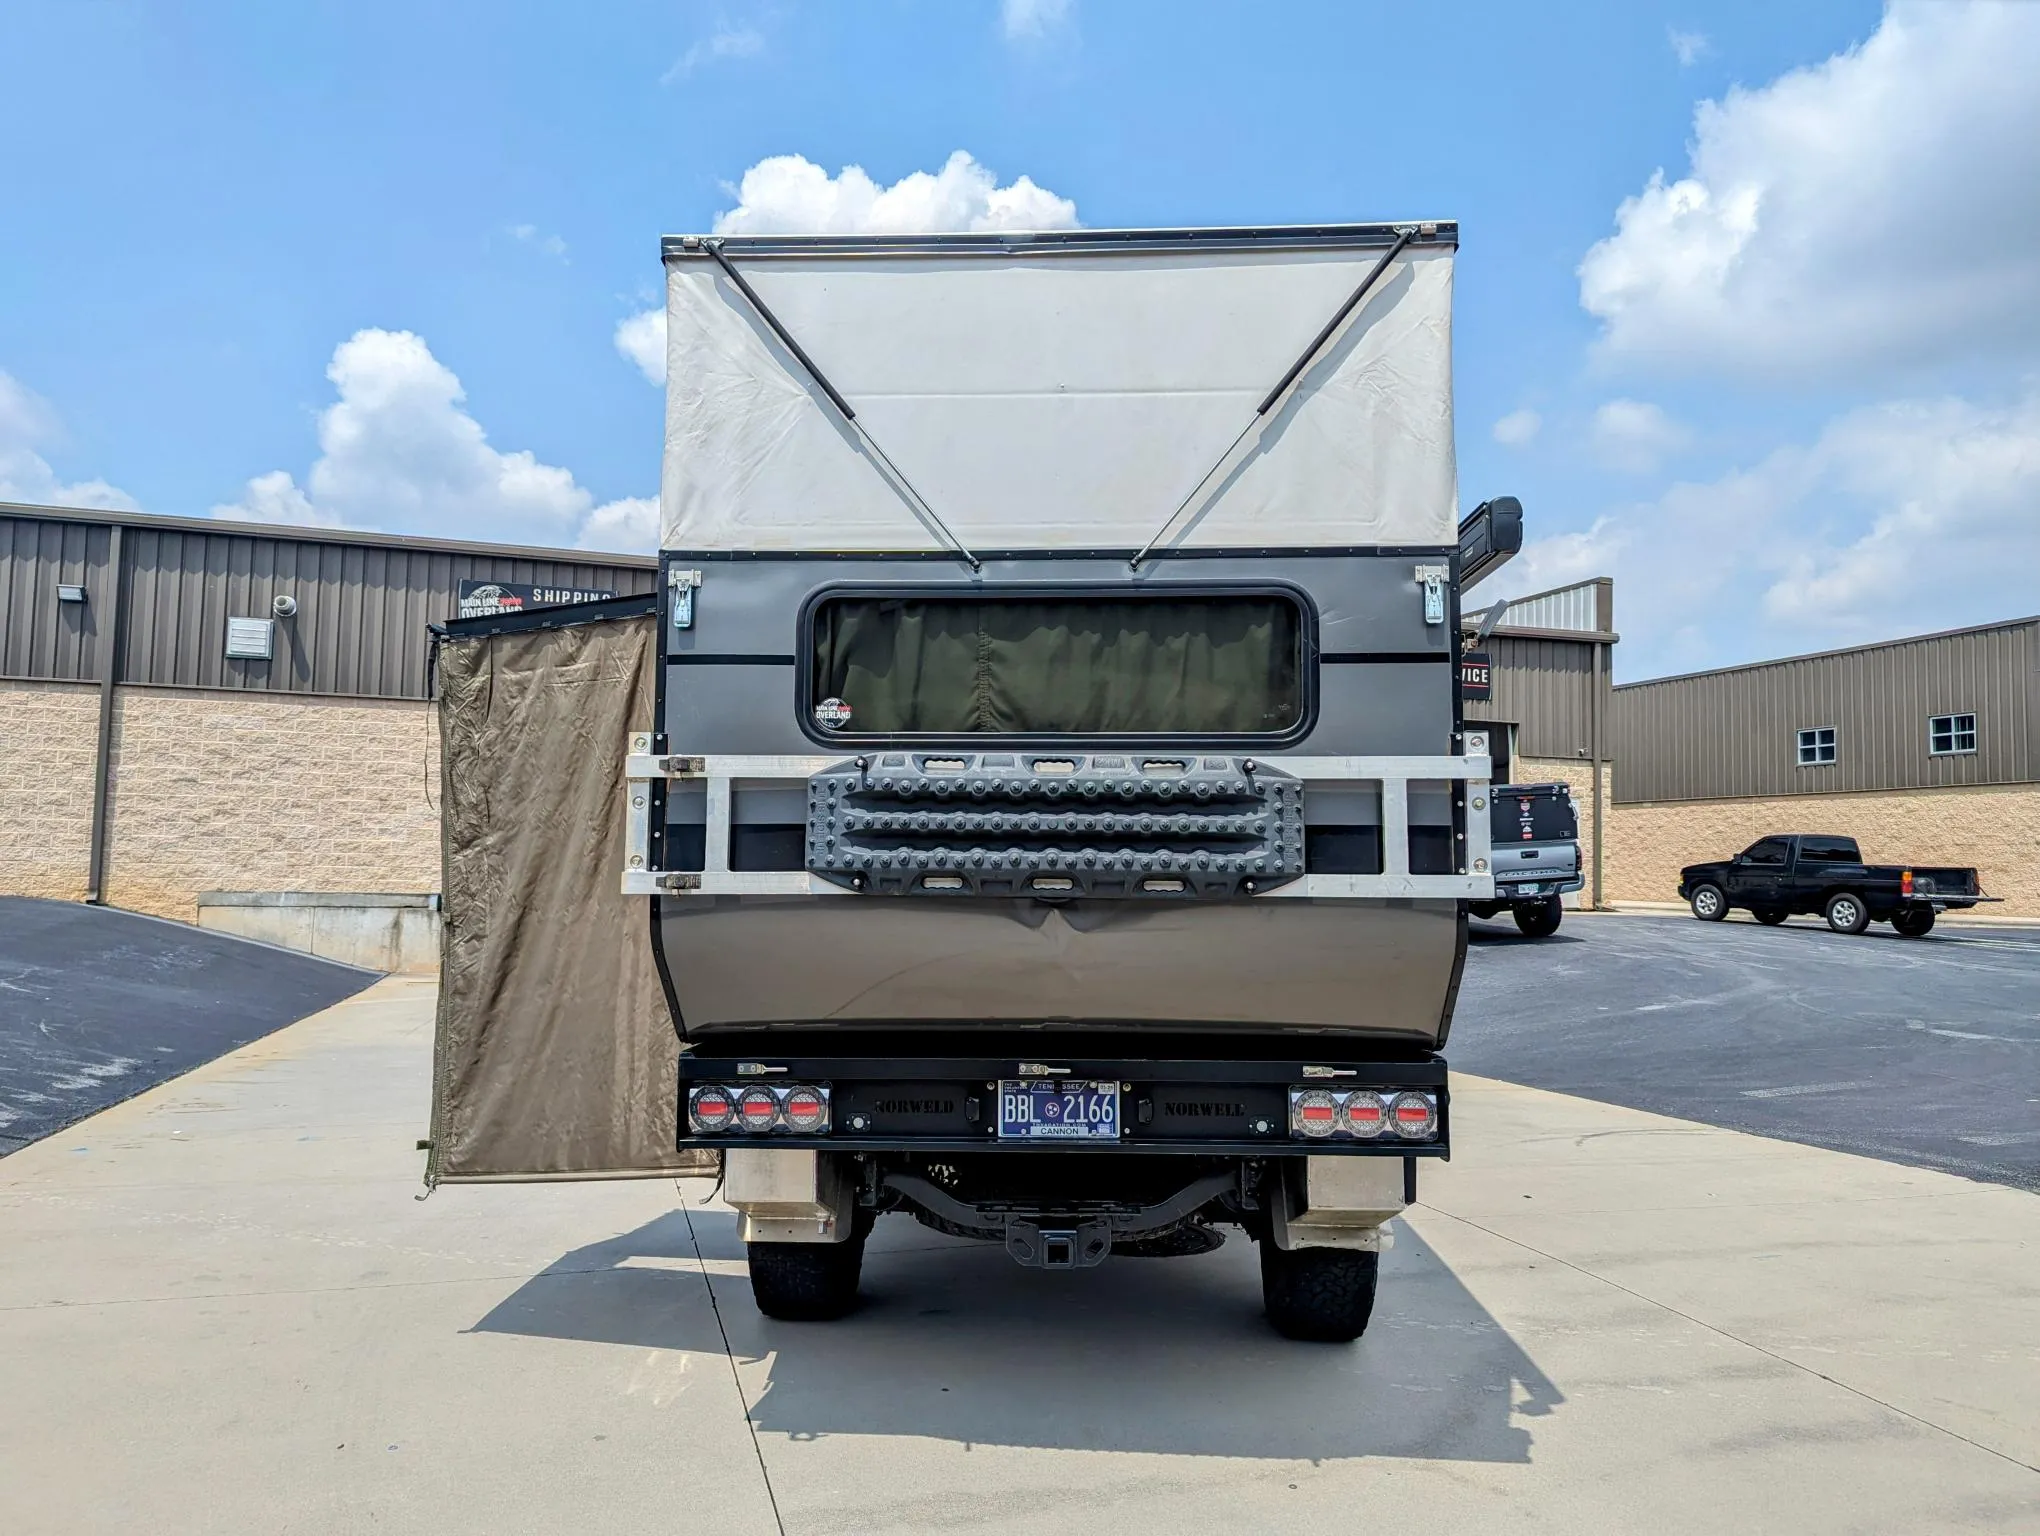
x=222, y=1308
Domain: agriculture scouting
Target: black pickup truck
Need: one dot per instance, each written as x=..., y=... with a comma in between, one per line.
x=1777, y=876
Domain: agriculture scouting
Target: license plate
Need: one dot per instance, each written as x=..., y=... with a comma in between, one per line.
x=1063, y=1111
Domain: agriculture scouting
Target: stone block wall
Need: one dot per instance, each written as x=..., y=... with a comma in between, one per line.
x=1996, y=829
x=216, y=791
x=1580, y=777
x=48, y=733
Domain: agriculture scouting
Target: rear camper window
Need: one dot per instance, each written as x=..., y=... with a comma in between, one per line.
x=1083, y=664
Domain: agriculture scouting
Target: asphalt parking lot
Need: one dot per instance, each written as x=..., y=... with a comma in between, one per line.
x=1923, y=1051
x=97, y=1005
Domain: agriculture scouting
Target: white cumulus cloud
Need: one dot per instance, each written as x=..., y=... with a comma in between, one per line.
x=642, y=339
x=723, y=43
x=1518, y=429
x=27, y=426
x=1636, y=436
x=1877, y=211
x=1027, y=20
x=1689, y=47
x=790, y=194
x=1896, y=519
x=397, y=450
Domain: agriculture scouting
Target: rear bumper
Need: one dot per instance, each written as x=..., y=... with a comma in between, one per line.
x=1529, y=890
x=1203, y=1108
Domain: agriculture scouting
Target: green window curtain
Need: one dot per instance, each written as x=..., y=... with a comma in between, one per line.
x=1079, y=665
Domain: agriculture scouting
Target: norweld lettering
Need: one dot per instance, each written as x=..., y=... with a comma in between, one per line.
x=1208, y=1109
x=915, y=1106
x=481, y=598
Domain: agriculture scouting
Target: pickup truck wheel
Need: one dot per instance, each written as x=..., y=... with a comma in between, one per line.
x=1323, y=1295
x=1539, y=919
x=1771, y=917
x=1709, y=905
x=806, y=1282
x=1913, y=922
x=1846, y=912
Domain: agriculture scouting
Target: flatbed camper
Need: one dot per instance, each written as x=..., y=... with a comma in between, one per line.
x=1045, y=802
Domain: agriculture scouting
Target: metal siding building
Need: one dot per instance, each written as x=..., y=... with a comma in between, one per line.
x=1551, y=670
x=1733, y=733
x=146, y=766
x=363, y=599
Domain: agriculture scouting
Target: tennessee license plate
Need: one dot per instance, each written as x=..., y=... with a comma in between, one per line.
x=1064, y=1111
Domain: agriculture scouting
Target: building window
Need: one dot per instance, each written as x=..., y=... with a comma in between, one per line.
x=1951, y=735
x=1816, y=746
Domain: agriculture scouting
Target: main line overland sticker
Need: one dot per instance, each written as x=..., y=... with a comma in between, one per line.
x=482, y=599
x=832, y=714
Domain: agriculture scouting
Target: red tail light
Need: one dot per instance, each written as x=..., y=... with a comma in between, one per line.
x=758, y=1108
x=1414, y=1115
x=806, y=1110
x=1365, y=1115
x=711, y=1109
x=1314, y=1113
x=1905, y=883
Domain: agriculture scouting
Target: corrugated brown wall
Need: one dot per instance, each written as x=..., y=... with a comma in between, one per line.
x=1546, y=688
x=363, y=601
x=1733, y=734
x=40, y=637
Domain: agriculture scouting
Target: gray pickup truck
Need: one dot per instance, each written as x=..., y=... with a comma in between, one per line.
x=1535, y=829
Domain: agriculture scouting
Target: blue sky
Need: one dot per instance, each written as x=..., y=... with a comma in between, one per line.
x=1786, y=394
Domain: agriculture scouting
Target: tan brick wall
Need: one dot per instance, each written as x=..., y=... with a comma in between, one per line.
x=229, y=791
x=1580, y=776
x=1995, y=829
x=48, y=734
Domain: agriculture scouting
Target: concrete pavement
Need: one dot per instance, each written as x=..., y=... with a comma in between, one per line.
x=222, y=1308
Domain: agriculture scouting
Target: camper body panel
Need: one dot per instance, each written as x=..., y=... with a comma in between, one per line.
x=1378, y=682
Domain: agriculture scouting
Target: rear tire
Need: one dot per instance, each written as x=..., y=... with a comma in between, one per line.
x=1320, y=1295
x=1539, y=920
x=1846, y=913
x=1771, y=917
x=1913, y=922
x=1708, y=903
x=806, y=1282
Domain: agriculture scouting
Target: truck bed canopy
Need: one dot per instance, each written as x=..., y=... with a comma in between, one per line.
x=1060, y=391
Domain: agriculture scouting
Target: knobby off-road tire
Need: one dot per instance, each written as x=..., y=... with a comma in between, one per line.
x=1709, y=904
x=806, y=1282
x=1539, y=920
x=1322, y=1295
x=1771, y=917
x=1847, y=913
x=1913, y=922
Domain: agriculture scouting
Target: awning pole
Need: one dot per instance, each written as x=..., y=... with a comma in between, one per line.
x=1403, y=237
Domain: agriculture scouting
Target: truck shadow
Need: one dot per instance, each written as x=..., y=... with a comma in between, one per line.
x=954, y=1341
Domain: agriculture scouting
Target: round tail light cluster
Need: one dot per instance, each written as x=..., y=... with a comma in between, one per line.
x=711, y=1109
x=800, y=1109
x=806, y=1110
x=1363, y=1115
x=1314, y=1113
x=1415, y=1116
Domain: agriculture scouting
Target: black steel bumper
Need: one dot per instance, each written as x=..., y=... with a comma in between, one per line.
x=1203, y=1108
